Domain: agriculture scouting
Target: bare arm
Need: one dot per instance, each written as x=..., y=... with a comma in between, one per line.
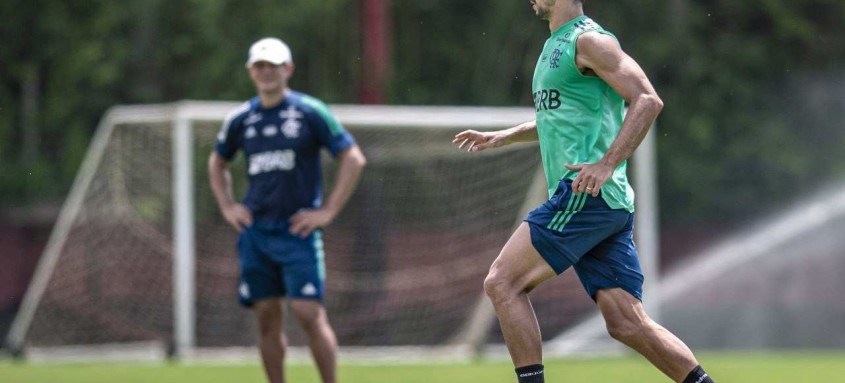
x=351, y=163
x=602, y=54
x=475, y=141
x=221, y=185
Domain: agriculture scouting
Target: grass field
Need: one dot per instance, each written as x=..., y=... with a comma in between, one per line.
x=809, y=367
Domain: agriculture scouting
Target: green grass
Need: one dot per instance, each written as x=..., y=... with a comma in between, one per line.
x=809, y=367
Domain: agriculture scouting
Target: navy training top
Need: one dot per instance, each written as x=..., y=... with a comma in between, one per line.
x=281, y=146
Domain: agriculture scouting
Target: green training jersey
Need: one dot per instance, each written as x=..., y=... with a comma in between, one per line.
x=578, y=116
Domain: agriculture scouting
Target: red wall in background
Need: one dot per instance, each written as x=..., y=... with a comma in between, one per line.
x=20, y=248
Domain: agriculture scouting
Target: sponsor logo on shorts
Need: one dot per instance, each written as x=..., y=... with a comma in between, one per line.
x=308, y=289
x=243, y=289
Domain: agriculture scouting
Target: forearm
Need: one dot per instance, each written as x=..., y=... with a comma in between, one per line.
x=350, y=166
x=220, y=180
x=640, y=116
x=525, y=132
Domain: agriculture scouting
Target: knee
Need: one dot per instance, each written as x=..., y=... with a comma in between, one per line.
x=269, y=330
x=310, y=316
x=497, y=287
x=625, y=330
x=310, y=324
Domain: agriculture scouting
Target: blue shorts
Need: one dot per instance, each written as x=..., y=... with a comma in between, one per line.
x=582, y=231
x=275, y=263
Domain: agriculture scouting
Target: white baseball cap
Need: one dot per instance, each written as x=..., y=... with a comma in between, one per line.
x=271, y=50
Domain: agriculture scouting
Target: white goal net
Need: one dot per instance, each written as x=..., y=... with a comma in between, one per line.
x=141, y=255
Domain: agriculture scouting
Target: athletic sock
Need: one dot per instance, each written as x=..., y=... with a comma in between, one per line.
x=697, y=375
x=530, y=374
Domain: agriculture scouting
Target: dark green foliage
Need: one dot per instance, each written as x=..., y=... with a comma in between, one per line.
x=753, y=89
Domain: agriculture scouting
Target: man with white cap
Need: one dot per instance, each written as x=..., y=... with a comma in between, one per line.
x=281, y=133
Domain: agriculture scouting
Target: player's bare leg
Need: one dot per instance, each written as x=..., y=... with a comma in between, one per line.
x=628, y=323
x=271, y=340
x=516, y=271
x=321, y=338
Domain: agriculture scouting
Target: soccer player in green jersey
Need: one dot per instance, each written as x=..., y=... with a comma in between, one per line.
x=581, y=84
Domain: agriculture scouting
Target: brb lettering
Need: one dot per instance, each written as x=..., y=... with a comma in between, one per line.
x=546, y=99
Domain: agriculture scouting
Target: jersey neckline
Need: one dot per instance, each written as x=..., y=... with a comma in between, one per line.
x=568, y=24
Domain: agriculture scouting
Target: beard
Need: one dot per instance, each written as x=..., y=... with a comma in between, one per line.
x=543, y=8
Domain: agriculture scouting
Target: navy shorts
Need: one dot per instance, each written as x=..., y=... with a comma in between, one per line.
x=275, y=263
x=582, y=231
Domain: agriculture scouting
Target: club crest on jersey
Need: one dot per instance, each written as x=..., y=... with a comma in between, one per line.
x=554, y=61
x=290, y=128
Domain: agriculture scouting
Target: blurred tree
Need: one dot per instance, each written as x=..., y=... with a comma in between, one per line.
x=740, y=121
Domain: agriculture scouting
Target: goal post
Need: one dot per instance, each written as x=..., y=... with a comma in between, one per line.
x=140, y=254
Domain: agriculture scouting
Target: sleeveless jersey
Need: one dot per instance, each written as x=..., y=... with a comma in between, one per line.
x=578, y=116
x=281, y=146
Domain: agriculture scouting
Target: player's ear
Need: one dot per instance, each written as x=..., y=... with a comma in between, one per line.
x=290, y=68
